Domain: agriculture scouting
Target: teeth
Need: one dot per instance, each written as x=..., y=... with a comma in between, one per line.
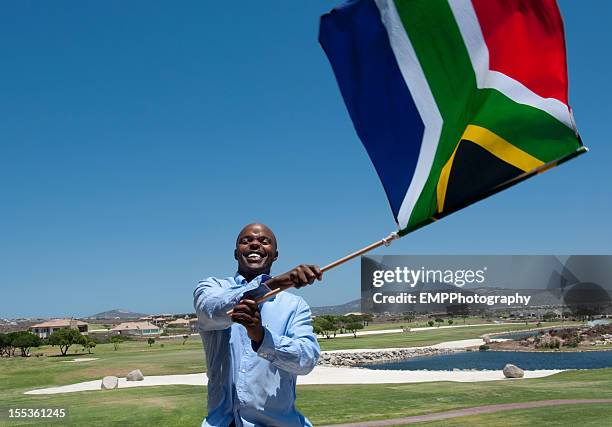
x=254, y=256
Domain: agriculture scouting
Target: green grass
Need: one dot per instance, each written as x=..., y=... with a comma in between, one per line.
x=94, y=326
x=145, y=406
x=185, y=405
x=52, y=369
x=423, y=324
x=587, y=415
x=344, y=404
x=18, y=375
x=418, y=338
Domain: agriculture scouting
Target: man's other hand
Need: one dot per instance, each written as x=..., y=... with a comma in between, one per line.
x=302, y=275
x=246, y=312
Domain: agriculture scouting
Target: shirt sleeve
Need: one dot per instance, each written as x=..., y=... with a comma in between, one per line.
x=212, y=301
x=298, y=351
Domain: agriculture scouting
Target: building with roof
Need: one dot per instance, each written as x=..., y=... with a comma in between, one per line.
x=44, y=329
x=179, y=323
x=183, y=323
x=137, y=329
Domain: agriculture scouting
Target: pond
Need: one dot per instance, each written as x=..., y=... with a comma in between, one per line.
x=493, y=360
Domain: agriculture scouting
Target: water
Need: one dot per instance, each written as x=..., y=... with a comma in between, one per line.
x=494, y=360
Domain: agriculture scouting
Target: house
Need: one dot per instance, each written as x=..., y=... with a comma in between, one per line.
x=191, y=324
x=179, y=323
x=136, y=329
x=44, y=329
x=159, y=321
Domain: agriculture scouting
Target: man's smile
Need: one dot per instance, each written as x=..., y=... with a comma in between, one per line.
x=254, y=257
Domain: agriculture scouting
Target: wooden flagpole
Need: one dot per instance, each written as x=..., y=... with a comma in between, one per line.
x=382, y=242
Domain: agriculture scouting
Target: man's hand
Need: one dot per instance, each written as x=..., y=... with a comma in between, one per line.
x=302, y=275
x=246, y=312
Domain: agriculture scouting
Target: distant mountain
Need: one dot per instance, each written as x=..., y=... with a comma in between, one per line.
x=117, y=313
x=349, y=307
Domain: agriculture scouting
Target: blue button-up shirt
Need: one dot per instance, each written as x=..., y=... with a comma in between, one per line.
x=253, y=386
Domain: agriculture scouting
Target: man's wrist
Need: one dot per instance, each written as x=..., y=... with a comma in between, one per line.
x=272, y=283
x=257, y=335
x=257, y=339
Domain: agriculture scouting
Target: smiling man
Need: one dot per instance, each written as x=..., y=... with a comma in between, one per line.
x=254, y=356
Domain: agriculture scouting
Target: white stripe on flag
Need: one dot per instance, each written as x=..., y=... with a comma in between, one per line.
x=466, y=18
x=421, y=94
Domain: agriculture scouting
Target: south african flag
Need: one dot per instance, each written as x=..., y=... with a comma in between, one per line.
x=454, y=100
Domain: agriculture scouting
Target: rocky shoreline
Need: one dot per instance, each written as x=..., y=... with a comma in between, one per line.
x=380, y=356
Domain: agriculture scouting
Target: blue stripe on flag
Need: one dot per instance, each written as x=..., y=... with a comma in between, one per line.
x=375, y=93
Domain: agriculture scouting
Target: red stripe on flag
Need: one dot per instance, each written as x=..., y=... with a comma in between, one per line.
x=526, y=42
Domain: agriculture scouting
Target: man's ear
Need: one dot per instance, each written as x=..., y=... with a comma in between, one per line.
x=275, y=255
x=236, y=254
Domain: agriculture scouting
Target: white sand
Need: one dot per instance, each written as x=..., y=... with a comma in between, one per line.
x=83, y=359
x=322, y=375
x=325, y=375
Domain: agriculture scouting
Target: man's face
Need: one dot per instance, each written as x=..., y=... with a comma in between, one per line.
x=255, y=250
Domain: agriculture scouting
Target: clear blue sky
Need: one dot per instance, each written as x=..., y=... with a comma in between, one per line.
x=136, y=138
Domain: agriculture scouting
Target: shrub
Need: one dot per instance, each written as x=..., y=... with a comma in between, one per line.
x=24, y=341
x=64, y=338
x=483, y=347
x=116, y=340
x=88, y=343
x=353, y=327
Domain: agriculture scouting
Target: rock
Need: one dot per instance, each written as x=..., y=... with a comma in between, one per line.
x=511, y=371
x=135, y=375
x=110, y=383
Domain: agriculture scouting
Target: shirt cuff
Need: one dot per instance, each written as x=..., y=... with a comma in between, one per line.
x=266, y=348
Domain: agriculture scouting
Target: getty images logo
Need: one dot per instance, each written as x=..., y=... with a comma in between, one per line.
x=412, y=277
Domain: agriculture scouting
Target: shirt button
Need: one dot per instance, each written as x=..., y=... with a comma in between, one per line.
x=243, y=370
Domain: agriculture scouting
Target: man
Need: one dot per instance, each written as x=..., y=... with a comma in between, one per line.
x=254, y=355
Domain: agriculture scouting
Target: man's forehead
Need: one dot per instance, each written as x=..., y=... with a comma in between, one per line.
x=256, y=230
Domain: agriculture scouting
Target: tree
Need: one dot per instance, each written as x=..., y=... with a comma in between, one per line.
x=549, y=316
x=430, y=323
x=64, y=338
x=333, y=321
x=322, y=326
x=116, y=340
x=151, y=341
x=5, y=345
x=185, y=338
x=439, y=321
x=410, y=317
x=88, y=343
x=24, y=341
x=450, y=321
x=353, y=327
x=348, y=319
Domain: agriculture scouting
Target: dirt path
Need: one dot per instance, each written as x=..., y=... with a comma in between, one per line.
x=471, y=411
